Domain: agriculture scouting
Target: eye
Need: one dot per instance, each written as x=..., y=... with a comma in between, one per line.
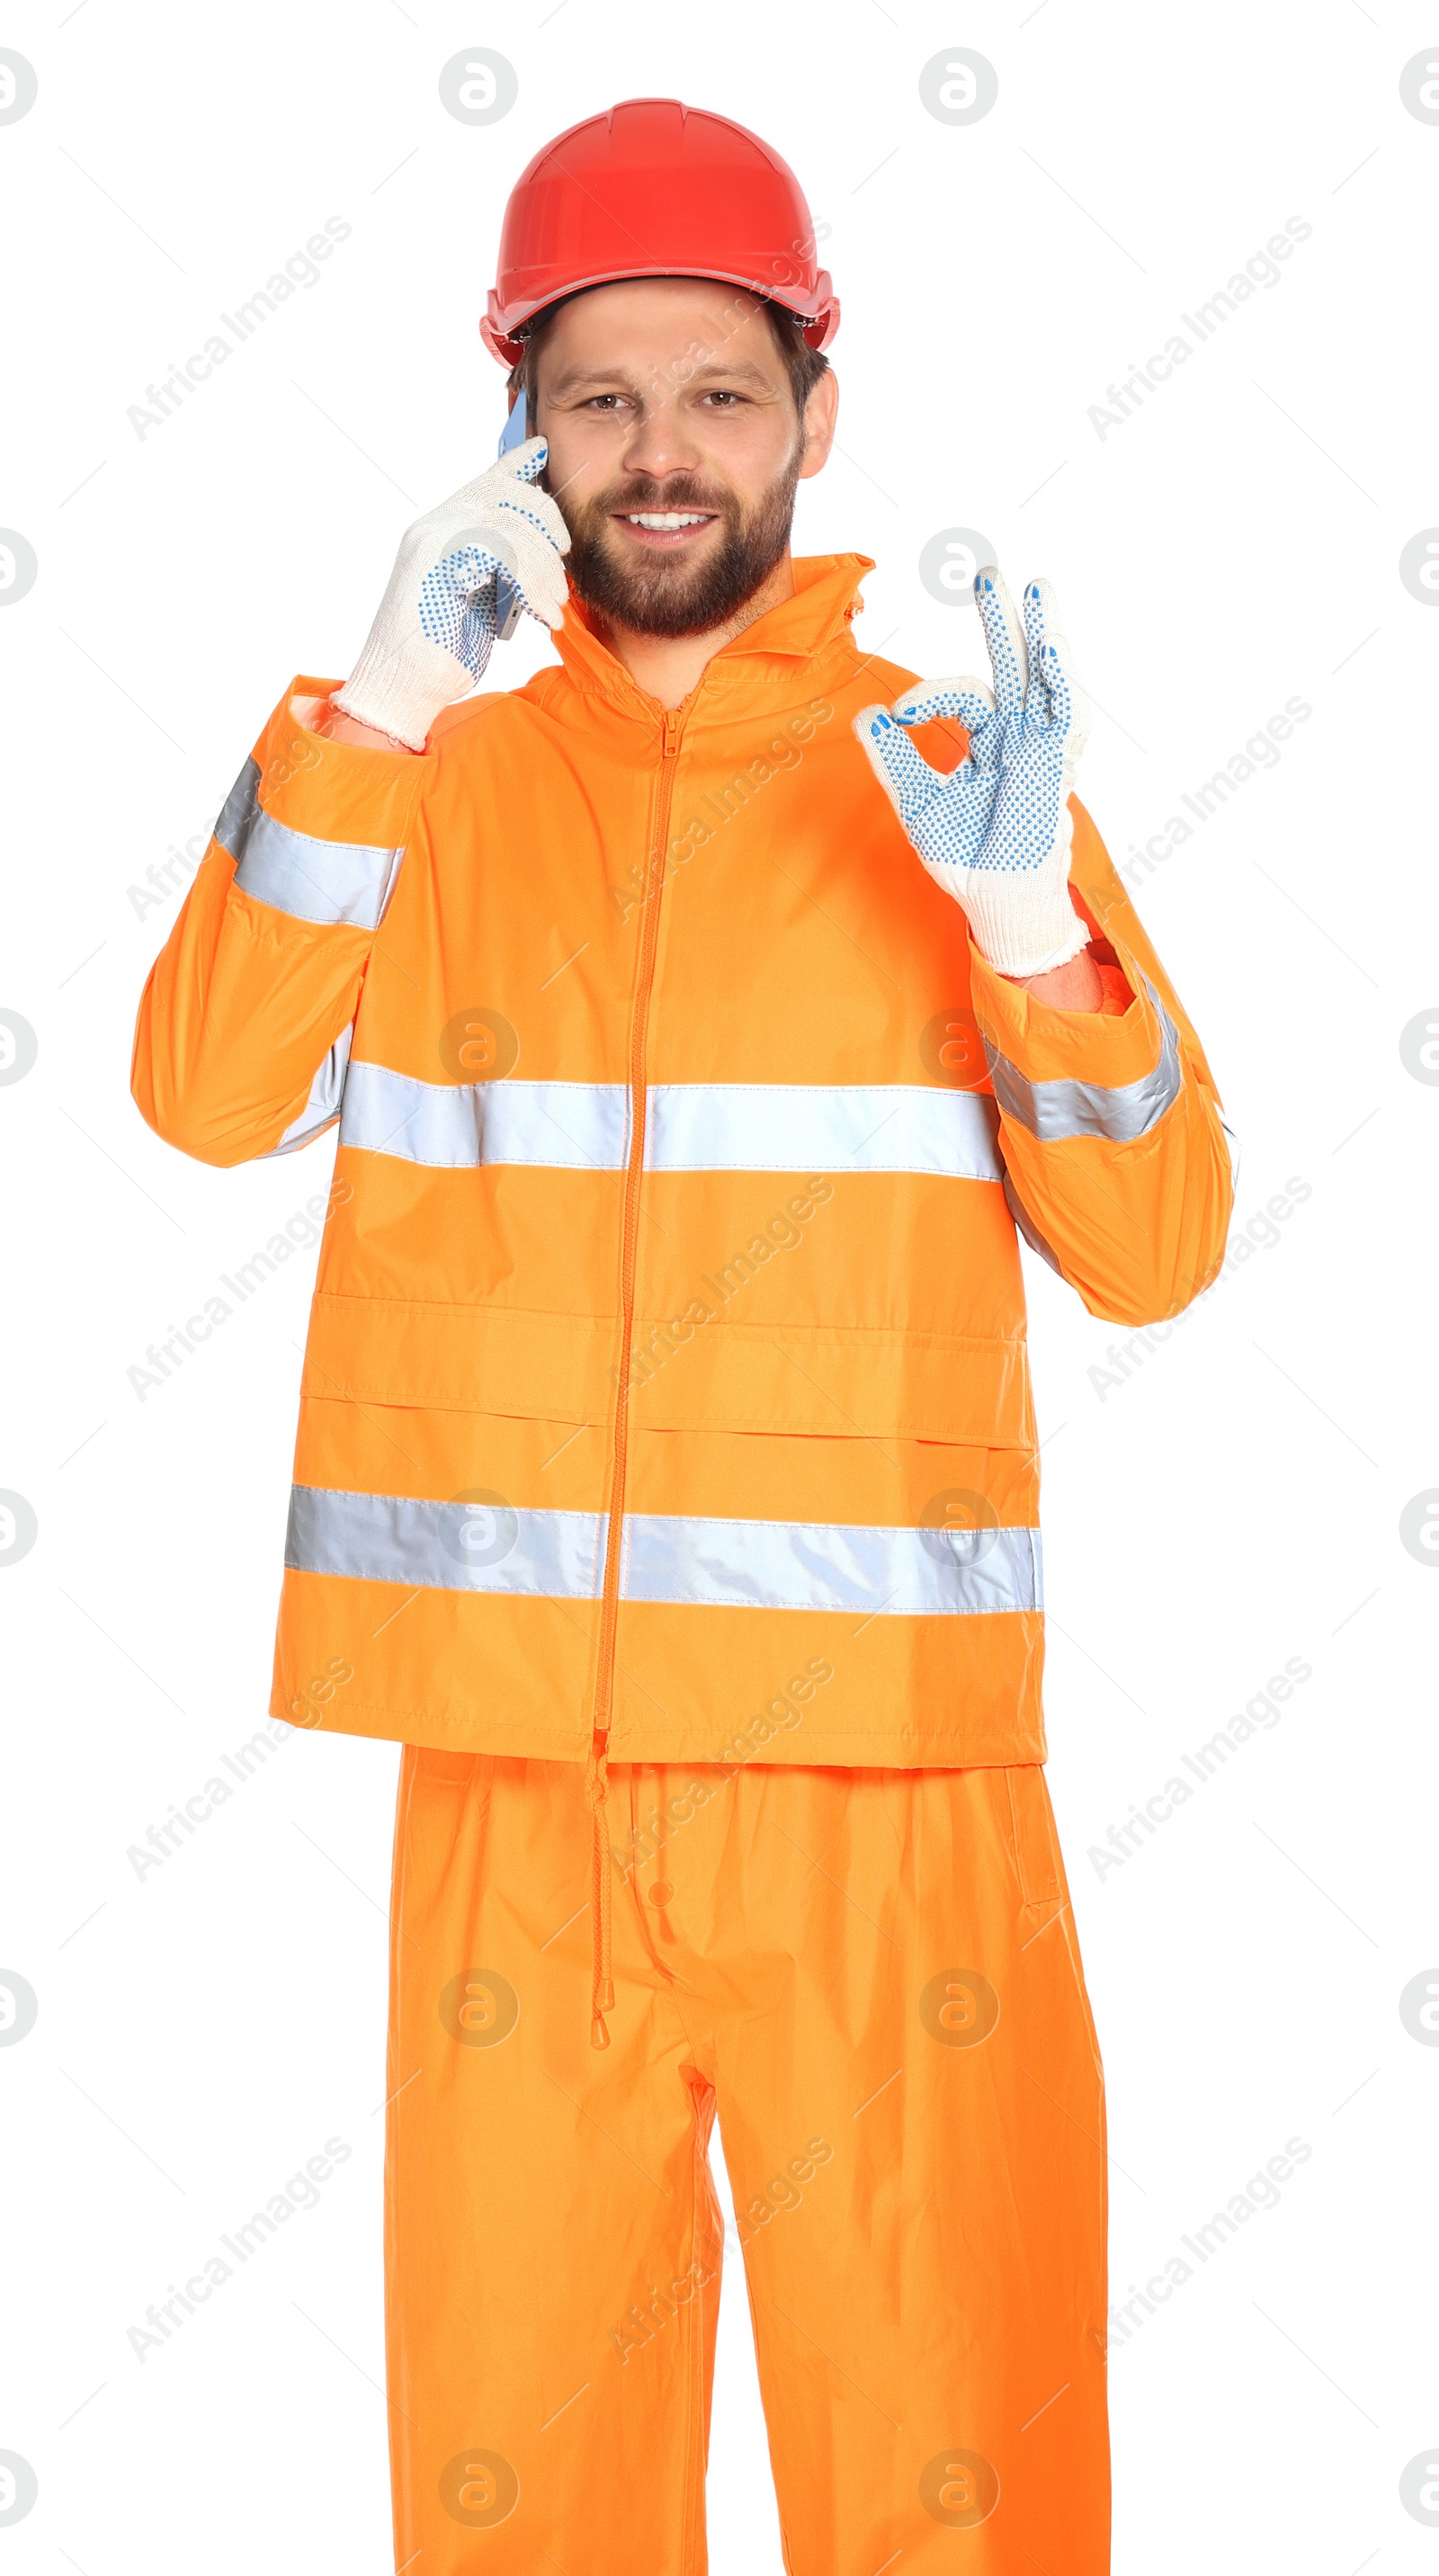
x=720, y=394
x=604, y=402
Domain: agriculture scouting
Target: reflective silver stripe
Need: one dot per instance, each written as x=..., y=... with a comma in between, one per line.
x=692, y=1127
x=328, y=881
x=327, y=1091
x=713, y=1564
x=576, y=1125
x=450, y=1547
x=821, y=1127
x=237, y=812
x=1120, y=1112
x=829, y=1565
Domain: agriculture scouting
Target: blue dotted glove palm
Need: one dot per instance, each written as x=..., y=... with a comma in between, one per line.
x=996, y=832
x=437, y=622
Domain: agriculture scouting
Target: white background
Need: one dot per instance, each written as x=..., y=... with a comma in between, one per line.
x=1232, y=1504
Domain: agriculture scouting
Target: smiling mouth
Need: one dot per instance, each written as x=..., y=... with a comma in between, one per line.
x=665, y=528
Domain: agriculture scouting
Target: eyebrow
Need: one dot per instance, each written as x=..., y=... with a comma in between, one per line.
x=733, y=371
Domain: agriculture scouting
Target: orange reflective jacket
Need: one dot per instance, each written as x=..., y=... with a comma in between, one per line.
x=666, y=1382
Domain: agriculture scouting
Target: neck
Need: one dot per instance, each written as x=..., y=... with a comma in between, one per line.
x=667, y=667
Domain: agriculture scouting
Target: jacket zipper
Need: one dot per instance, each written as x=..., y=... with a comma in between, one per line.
x=629, y=1241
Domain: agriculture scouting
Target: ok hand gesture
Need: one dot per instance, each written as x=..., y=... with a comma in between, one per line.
x=996, y=832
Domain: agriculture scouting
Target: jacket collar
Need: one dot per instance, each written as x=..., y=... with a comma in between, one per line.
x=802, y=628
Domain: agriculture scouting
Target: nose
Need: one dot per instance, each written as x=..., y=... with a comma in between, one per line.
x=661, y=441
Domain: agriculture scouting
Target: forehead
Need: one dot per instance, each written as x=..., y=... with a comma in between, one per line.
x=647, y=322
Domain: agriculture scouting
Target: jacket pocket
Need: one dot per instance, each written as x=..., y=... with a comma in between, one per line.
x=461, y=1359
x=835, y=1381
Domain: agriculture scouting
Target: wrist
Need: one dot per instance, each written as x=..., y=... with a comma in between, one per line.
x=399, y=688
x=1077, y=985
x=334, y=725
x=1023, y=921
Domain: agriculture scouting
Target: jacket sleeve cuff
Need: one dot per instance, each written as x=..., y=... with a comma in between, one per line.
x=1111, y=1072
x=316, y=828
x=318, y=785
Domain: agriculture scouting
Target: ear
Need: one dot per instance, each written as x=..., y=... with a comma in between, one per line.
x=820, y=414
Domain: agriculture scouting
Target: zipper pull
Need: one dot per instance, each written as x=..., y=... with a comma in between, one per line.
x=670, y=742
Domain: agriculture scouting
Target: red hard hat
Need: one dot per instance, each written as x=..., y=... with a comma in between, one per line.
x=652, y=188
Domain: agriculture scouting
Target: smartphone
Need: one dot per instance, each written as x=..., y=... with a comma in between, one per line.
x=507, y=599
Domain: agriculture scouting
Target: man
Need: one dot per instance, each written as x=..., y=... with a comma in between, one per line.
x=666, y=1475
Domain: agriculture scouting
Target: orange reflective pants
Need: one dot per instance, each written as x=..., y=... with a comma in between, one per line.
x=872, y=1976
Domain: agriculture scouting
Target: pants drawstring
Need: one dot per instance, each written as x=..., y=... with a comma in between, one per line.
x=602, y=1991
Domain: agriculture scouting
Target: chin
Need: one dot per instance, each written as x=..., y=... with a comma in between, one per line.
x=671, y=600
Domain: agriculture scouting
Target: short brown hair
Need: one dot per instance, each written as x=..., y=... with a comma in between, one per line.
x=803, y=365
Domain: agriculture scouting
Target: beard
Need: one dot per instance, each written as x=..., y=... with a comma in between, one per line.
x=667, y=596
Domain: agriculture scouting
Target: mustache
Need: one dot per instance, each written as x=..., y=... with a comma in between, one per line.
x=643, y=492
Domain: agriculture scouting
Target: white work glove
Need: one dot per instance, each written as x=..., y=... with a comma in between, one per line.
x=436, y=623
x=996, y=832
